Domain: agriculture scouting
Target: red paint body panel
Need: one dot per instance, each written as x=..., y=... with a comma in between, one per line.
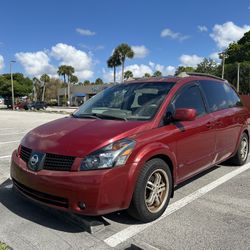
x=190, y=147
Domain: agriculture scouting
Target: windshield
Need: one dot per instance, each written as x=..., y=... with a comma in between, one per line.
x=131, y=101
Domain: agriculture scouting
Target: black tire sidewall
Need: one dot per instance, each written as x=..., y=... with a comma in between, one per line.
x=238, y=159
x=138, y=198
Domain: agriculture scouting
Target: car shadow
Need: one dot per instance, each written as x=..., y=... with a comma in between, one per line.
x=184, y=183
x=29, y=210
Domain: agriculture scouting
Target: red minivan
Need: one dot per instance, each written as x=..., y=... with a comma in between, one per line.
x=130, y=145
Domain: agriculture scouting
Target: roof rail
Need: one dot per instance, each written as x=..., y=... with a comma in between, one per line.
x=185, y=74
x=143, y=78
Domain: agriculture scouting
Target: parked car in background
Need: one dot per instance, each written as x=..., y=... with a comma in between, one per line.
x=129, y=146
x=37, y=105
x=2, y=102
x=21, y=105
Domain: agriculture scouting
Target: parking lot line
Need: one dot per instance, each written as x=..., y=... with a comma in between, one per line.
x=17, y=133
x=6, y=142
x=5, y=156
x=133, y=230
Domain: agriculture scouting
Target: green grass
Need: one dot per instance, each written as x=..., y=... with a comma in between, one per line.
x=4, y=247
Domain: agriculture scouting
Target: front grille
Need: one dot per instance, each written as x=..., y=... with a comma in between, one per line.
x=40, y=196
x=58, y=162
x=52, y=161
x=25, y=153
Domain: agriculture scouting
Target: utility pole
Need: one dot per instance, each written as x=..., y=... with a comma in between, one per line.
x=12, y=85
x=238, y=77
x=223, y=56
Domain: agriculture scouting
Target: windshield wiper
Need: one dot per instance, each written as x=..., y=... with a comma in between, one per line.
x=91, y=115
x=110, y=117
x=99, y=116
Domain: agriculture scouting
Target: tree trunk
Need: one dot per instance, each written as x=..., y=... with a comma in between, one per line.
x=68, y=91
x=122, y=71
x=34, y=92
x=114, y=74
x=43, y=91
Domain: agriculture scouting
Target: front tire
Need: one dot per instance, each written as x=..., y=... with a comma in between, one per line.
x=152, y=192
x=241, y=155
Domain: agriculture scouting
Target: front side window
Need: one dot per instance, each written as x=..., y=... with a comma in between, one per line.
x=131, y=101
x=189, y=97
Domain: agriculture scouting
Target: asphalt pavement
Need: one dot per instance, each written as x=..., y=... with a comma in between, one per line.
x=210, y=211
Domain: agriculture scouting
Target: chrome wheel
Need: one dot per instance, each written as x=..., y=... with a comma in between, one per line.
x=156, y=191
x=244, y=149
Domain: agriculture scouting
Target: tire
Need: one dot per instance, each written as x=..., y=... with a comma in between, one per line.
x=241, y=155
x=146, y=206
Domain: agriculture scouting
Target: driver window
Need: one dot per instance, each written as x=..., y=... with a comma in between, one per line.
x=188, y=98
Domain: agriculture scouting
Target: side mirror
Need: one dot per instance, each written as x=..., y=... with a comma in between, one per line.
x=184, y=114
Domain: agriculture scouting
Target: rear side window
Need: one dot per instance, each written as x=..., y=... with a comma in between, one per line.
x=233, y=98
x=215, y=94
x=219, y=95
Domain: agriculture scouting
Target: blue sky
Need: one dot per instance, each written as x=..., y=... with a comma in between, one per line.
x=41, y=35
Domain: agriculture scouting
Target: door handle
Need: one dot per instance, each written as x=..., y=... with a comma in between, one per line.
x=218, y=123
x=209, y=125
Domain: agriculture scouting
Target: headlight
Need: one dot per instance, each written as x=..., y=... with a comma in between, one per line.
x=115, y=154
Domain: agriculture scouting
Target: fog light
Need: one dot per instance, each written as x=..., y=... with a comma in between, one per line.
x=81, y=205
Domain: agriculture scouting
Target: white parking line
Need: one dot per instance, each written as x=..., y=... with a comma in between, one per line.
x=5, y=156
x=131, y=231
x=7, y=142
x=17, y=133
x=6, y=128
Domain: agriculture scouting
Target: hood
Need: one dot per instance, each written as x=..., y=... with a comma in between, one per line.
x=79, y=137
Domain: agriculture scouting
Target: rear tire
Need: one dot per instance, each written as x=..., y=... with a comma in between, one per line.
x=241, y=155
x=152, y=192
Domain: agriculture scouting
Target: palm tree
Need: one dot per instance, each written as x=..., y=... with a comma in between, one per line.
x=113, y=62
x=124, y=51
x=66, y=70
x=157, y=73
x=36, y=85
x=128, y=74
x=62, y=72
x=45, y=79
x=73, y=79
x=146, y=75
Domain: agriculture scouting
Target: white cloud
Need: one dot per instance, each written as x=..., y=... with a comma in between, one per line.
x=140, y=51
x=35, y=63
x=190, y=60
x=202, y=28
x=227, y=33
x=38, y=63
x=215, y=56
x=69, y=55
x=174, y=35
x=139, y=70
x=1, y=62
x=85, y=32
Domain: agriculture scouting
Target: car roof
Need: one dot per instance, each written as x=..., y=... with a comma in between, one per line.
x=184, y=75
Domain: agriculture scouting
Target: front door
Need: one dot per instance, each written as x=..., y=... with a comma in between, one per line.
x=195, y=140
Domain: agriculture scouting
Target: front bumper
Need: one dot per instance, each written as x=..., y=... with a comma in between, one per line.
x=101, y=191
